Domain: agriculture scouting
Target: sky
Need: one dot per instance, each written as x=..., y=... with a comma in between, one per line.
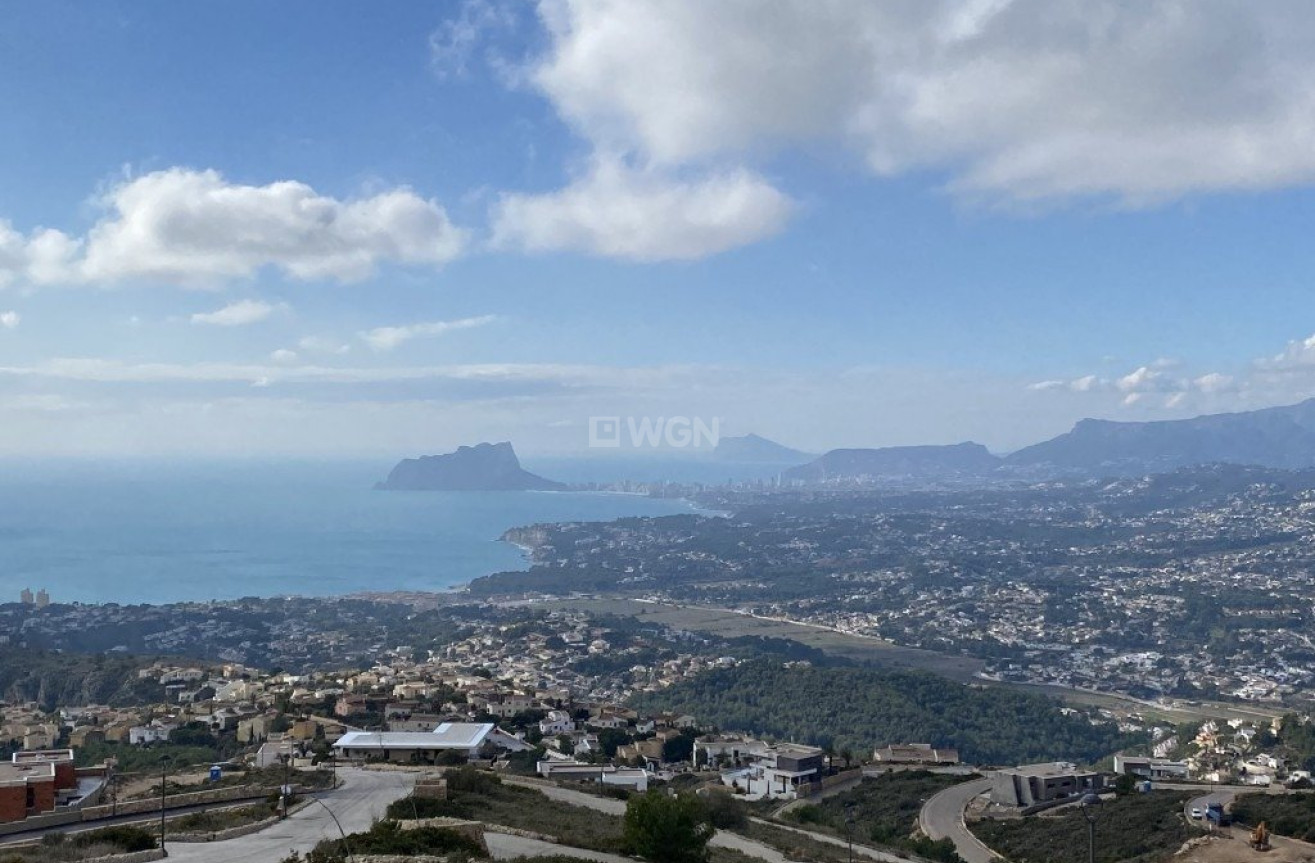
x=341, y=229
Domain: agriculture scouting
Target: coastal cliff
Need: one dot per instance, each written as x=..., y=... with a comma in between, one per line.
x=484, y=467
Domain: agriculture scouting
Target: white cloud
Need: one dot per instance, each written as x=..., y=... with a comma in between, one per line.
x=40, y=258
x=196, y=228
x=283, y=355
x=323, y=345
x=453, y=43
x=1213, y=382
x=575, y=378
x=10, y=320
x=237, y=314
x=1012, y=99
x=643, y=215
x=1142, y=380
x=387, y=338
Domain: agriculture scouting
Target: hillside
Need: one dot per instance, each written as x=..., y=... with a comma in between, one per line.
x=917, y=462
x=70, y=679
x=1280, y=437
x=861, y=709
x=755, y=449
x=483, y=467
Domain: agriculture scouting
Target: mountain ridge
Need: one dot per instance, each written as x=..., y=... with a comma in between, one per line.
x=756, y=449
x=1278, y=437
x=928, y=461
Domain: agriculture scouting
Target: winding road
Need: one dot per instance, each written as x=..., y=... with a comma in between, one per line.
x=357, y=804
x=942, y=818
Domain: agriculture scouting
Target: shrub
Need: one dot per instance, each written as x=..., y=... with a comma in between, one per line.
x=473, y=780
x=387, y=838
x=725, y=811
x=409, y=808
x=667, y=829
x=126, y=838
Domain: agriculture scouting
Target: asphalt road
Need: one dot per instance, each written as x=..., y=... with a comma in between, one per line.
x=608, y=806
x=860, y=850
x=1222, y=797
x=357, y=804
x=146, y=819
x=504, y=847
x=942, y=817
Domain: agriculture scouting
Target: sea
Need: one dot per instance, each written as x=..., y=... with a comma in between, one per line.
x=134, y=532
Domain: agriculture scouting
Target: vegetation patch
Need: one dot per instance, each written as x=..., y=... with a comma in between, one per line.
x=1285, y=814
x=387, y=838
x=481, y=796
x=74, y=847
x=1136, y=828
x=863, y=708
x=885, y=811
x=215, y=820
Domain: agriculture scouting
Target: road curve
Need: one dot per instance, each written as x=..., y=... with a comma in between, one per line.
x=357, y=804
x=942, y=817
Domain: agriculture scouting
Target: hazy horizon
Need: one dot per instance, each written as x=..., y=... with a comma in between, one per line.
x=345, y=232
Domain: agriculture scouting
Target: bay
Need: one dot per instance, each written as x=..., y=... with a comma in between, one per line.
x=141, y=532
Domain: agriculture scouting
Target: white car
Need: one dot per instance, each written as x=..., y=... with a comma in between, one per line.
x=1196, y=812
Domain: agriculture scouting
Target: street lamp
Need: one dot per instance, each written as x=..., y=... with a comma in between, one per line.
x=1090, y=810
x=164, y=778
x=346, y=843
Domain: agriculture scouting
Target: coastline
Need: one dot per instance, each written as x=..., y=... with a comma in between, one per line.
x=183, y=538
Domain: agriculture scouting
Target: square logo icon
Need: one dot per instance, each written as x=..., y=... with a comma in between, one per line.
x=605, y=432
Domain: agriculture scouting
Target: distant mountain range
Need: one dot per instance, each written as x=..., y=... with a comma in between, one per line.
x=753, y=449
x=921, y=462
x=1280, y=437
x=483, y=467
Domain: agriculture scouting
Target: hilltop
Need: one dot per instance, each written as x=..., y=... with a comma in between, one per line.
x=483, y=467
x=919, y=462
x=755, y=449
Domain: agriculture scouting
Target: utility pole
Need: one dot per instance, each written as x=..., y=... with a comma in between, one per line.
x=284, y=791
x=164, y=778
x=1090, y=810
x=849, y=829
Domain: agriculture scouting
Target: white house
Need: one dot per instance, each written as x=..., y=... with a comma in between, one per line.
x=556, y=722
x=156, y=732
x=779, y=773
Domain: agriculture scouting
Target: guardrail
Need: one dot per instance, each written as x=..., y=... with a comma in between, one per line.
x=102, y=811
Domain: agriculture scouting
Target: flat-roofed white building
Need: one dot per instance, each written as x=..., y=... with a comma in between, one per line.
x=468, y=738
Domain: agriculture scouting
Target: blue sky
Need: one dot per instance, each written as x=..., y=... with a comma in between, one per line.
x=341, y=229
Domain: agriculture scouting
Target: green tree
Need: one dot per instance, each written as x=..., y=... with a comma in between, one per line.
x=667, y=829
x=680, y=747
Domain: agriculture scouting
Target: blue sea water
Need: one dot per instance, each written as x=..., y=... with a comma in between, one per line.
x=152, y=533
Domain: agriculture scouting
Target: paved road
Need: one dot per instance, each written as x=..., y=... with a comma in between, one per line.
x=608, y=806
x=504, y=847
x=1223, y=797
x=942, y=817
x=827, y=839
x=147, y=819
x=358, y=803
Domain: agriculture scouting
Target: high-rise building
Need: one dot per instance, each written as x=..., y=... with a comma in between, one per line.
x=43, y=598
x=26, y=596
